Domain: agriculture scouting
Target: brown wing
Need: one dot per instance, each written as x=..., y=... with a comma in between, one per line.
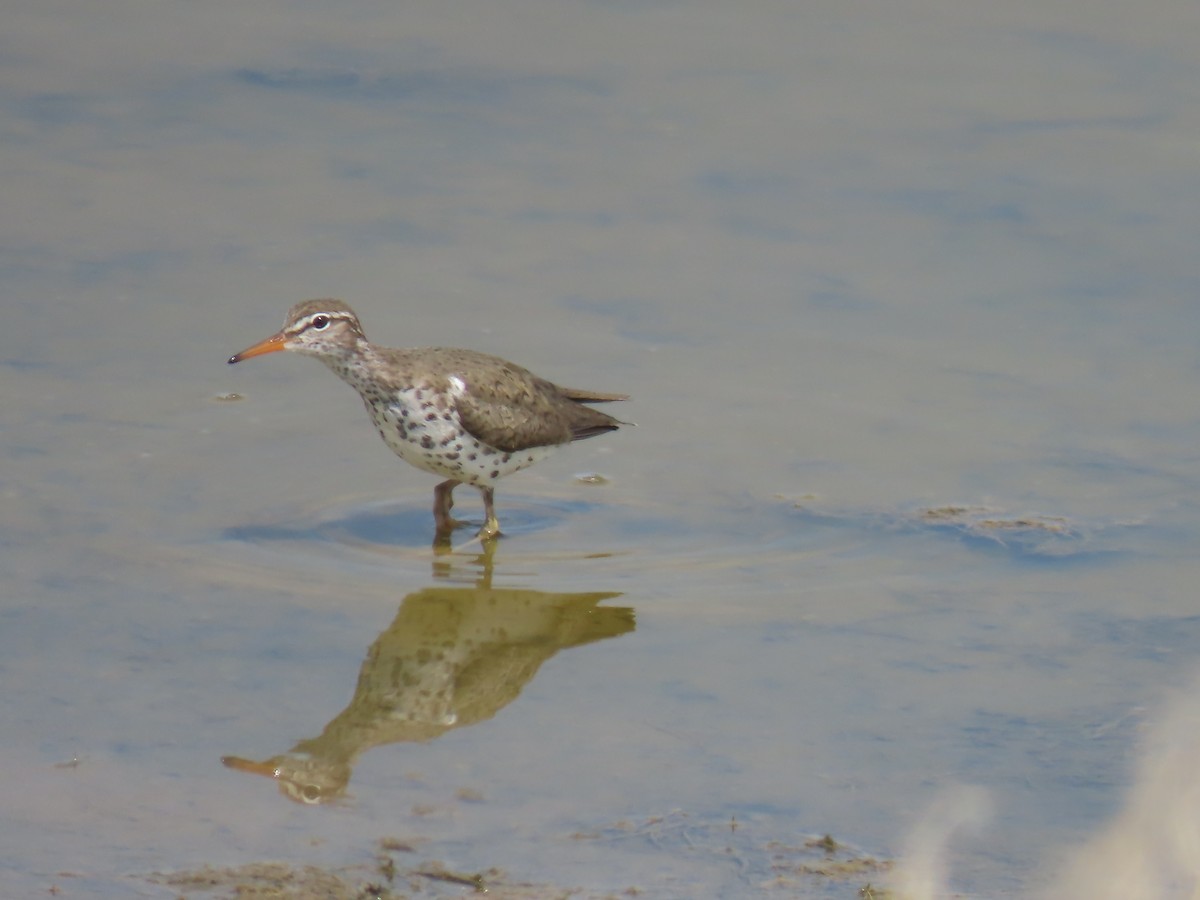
x=512, y=409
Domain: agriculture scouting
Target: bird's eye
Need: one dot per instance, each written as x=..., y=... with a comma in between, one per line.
x=320, y=323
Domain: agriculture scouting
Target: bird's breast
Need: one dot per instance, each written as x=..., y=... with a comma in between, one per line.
x=424, y=430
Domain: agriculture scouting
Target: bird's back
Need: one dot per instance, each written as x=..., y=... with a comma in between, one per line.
x=499, y=402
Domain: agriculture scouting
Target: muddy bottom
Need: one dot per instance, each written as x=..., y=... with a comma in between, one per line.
x=800, y=866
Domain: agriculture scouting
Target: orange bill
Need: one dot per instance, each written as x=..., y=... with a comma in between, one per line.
x=267, y=768
x=272, y=344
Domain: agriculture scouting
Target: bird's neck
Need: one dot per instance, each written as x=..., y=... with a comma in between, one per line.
x=355, y=365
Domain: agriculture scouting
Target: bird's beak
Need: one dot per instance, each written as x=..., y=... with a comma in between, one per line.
x=248, y=765
x=273, y=344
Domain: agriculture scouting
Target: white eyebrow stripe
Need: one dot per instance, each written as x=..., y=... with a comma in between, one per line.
x=302, y=325
x=306, y=322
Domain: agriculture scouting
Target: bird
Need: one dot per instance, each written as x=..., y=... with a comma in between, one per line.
x=468, y=417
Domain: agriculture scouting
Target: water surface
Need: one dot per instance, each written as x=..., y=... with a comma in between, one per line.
x=904, y=296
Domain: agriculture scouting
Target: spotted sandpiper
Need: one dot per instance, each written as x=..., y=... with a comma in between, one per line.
x=466, y=416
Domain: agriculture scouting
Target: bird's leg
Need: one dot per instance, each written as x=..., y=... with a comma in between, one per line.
x=491, y=525
x=443, y=502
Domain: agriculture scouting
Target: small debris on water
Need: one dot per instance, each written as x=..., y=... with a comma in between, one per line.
x=1028, y=534
x=978, y=518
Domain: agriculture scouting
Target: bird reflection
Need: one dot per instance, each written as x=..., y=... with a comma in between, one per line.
x=453, y=656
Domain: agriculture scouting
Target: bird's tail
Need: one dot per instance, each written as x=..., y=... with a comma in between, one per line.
x=591, y=396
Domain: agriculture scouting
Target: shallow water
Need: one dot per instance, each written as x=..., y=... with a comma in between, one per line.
x=905, y=301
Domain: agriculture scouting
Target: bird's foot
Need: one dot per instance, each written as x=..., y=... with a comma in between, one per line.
x=490, y=530
x=491, y=525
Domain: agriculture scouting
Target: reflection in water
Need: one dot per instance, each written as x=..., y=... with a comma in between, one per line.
x=452, y=657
